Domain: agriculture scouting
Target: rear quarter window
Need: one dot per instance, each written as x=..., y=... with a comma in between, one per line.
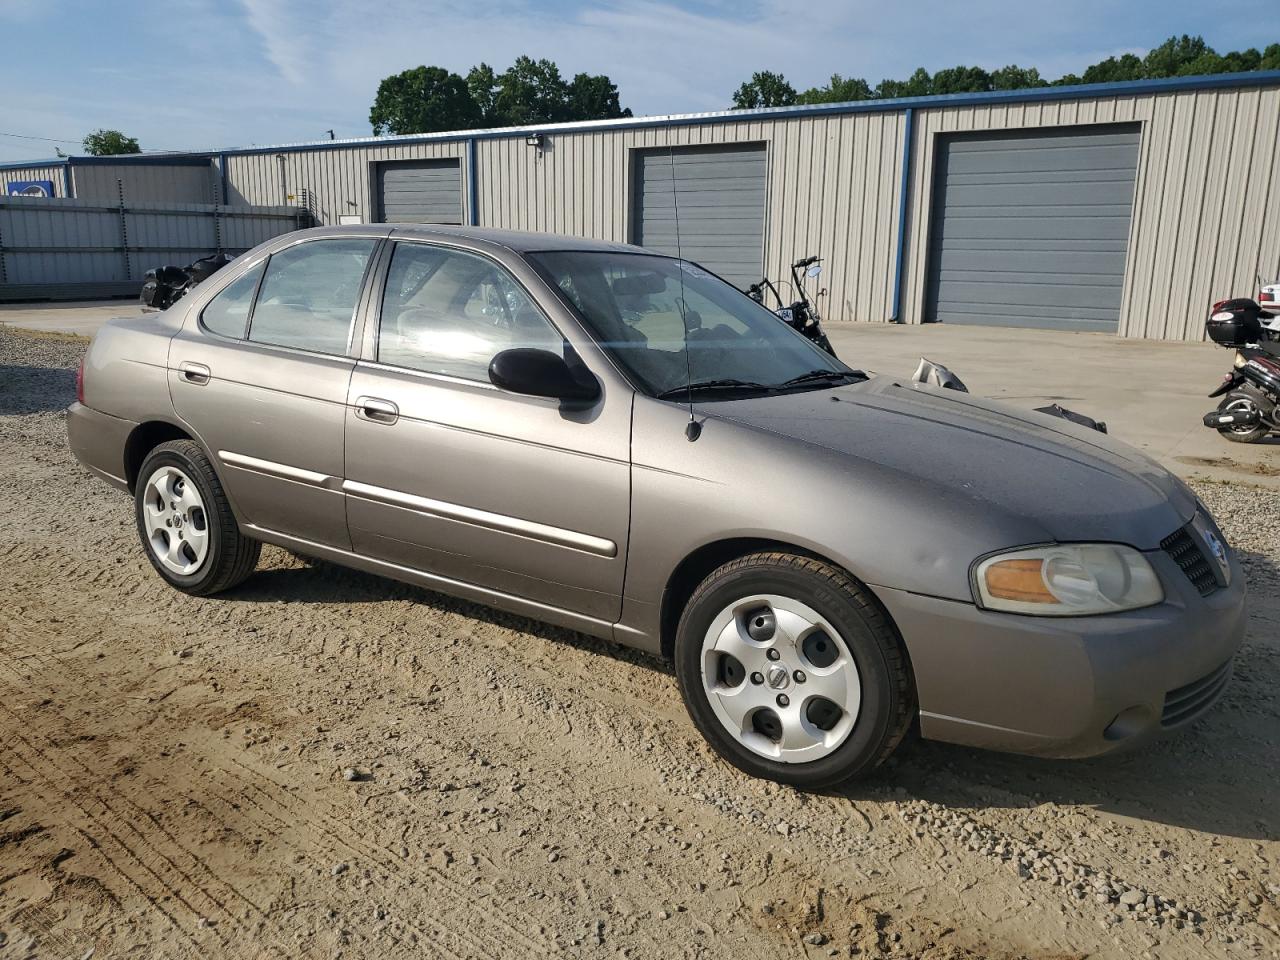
x=227, y=314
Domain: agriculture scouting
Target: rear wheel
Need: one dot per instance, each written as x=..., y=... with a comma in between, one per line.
x=1244, y=401
x=792, y=671
x=186, y=524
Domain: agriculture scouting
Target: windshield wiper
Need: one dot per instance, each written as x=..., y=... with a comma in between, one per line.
x=700, y=386
x=824, y=376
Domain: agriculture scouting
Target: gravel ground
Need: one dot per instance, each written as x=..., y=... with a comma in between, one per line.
x=323, y=763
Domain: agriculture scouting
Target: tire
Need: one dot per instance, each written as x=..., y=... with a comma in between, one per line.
x=186, y=525
x=866, y=672
x=1244, y=400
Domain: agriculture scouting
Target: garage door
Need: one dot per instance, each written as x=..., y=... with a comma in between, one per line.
x=721, y=195
x=420, y=191
x=1030, y=230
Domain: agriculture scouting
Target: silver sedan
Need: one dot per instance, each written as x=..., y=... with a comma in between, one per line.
x=619, y=442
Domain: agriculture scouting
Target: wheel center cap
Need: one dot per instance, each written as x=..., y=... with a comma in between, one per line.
x=777, y=676
x=177, y=520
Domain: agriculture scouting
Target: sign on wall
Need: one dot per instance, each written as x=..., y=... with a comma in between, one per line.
x=31, y=188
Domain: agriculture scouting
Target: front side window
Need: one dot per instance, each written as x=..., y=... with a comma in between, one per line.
x=227, y=314
x=450, y=313
x=309, y=294
x=646, y=310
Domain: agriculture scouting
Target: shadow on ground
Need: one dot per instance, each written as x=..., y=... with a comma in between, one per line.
x=1218, y=776
x=26, y=390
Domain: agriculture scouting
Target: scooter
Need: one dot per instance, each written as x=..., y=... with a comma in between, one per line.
x=165, y=286
x=1250, y=391
x=802, y=315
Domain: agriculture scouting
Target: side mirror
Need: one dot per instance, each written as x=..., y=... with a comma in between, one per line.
x=814, y=271
x=541, y=373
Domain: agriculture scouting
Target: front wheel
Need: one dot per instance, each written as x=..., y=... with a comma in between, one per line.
x=1244, y=401
x=186, y=524
x=792, y=671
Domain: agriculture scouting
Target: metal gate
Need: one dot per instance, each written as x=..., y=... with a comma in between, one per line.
x=720, y=193
x=1030, y=228
x=61, y=249
x=419, y=191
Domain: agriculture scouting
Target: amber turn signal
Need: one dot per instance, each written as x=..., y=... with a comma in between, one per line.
x=1020, y=580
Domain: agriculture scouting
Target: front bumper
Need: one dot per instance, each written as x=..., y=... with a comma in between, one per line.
x=98, y=441
x=1070, y=687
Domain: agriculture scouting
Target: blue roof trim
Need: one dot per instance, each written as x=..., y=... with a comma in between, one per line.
x=1089, y=91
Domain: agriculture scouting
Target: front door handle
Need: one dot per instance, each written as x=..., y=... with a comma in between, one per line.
x=196, y=373
x=376, y=410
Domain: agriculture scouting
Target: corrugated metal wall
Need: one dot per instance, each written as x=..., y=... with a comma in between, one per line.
x=144, y=183
x=329, y=183
x=54, y=173
x=1208, y=168
x=820, y=169
x=1204, y=216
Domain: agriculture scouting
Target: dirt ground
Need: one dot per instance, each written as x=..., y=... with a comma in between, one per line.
x=322, y=763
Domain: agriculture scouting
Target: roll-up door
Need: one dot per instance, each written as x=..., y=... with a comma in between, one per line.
x=419, y=191
x=719, y=193
x=1030, y=228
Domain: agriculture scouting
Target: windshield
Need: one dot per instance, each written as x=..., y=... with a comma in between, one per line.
x=640, y=308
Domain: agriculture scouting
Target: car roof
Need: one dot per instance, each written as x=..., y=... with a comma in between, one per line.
x=519, y=241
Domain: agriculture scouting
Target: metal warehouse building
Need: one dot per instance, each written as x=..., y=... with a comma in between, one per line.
x=1123, y=207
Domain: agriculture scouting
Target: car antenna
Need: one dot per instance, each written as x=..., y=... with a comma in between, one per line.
x=692, y=429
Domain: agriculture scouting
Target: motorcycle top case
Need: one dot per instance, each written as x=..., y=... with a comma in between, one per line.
x=1235, y=323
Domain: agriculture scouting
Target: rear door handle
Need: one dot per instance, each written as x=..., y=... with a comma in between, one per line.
x=196, y=373
x=376, y=410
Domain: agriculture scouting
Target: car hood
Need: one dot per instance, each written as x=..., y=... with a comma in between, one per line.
x=1055, y=480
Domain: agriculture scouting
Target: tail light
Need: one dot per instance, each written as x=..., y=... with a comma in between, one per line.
x=1266, y=296
x=1218, y=306
x=80, y=382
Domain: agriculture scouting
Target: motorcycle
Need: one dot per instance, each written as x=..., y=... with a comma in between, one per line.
x=1250, y=391
x=802, y=315
x=165, y=286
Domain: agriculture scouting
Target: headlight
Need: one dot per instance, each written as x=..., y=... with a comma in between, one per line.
x=1069, y=580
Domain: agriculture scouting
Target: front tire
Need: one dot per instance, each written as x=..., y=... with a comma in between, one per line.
x=792, y=671
x=186, y=524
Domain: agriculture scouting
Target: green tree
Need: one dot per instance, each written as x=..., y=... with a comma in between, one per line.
x=838, y=90
x=1270, y=58
x=960, y=80
x=423, y=100
x=1174, y=56
x=919, y=84
x=594, y=98
x=109, y=143
x=1014, y=77
x=764, y=89
x=482, y=83
x=531, y=92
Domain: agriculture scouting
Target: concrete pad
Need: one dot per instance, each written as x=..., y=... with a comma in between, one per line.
x=1150, y=393
x=82, y=318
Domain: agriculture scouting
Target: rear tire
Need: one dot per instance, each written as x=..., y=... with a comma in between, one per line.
x=1244, y=399
x=185, y=522
x=768, y=691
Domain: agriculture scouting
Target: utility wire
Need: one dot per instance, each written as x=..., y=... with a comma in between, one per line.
x=23, y=136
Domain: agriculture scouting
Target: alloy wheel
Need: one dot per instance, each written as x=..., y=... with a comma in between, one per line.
x=780, y=678
x=177, y=526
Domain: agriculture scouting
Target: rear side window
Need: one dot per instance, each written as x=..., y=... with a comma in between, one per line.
x=450, y=312
x=227, y=314
x=309, y=294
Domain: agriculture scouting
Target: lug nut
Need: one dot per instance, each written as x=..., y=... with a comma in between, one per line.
x=799, y=676
x=783, y=700
x=757, y=678
x=773, y=654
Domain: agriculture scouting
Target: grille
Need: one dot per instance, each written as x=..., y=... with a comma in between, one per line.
x=1186, y=553
x=1186, y=703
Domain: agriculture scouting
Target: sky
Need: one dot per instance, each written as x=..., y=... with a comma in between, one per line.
x=204, y=74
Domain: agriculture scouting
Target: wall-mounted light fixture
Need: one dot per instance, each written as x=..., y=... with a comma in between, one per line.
x=534, y=140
